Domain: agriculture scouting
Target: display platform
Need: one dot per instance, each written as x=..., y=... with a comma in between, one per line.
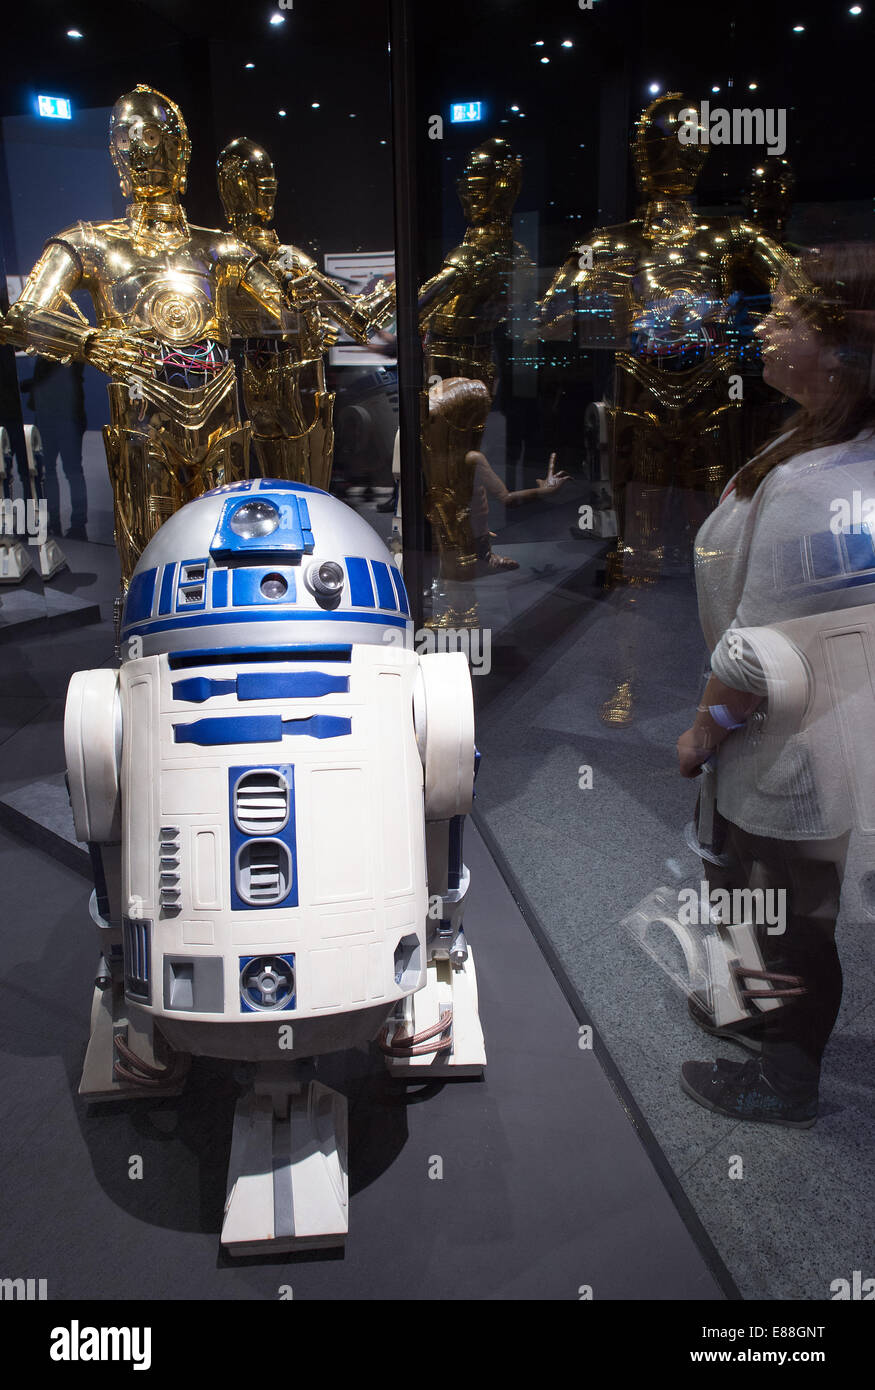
x=38, y=605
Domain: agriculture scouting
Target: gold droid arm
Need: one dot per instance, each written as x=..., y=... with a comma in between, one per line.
x=45, y=320
x=590, y=298
x=307, y=288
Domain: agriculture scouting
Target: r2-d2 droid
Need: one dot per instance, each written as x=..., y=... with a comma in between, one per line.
x=272, y=788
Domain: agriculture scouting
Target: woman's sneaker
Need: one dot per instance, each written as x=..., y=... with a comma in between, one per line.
x=740, y=1091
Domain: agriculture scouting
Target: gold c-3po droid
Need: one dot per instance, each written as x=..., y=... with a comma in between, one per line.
x=660, y=291
x=290, y=409
x=460, y=309
x=160, y=289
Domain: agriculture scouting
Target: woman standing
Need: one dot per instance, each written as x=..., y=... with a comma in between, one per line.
x=768, y=553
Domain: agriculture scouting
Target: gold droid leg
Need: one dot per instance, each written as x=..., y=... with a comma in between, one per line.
x=292, y=417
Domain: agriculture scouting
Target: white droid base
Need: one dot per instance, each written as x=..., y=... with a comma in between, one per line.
x=445, y=1011
x=288, y=1186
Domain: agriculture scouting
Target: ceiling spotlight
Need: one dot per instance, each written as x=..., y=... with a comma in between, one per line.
x=514, y=108
x=655, y=88
x=281, y=113
x=277, y=19
x=539, y=43
x=752, y=86
x=856, y=9
x=249, y=65
x=715, y=89
x=75, y=34
x=352, y=115
x=315, y=105
x=798, y=28
x=567, y=43
x=545, y=60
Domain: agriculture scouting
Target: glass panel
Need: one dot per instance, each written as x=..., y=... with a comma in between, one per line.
x=643, y=243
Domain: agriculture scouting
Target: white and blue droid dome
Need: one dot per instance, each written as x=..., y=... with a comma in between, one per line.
x=259, y=566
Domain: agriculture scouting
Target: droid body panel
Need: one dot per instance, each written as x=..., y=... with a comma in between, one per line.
x=284, y=388
x=268, y=787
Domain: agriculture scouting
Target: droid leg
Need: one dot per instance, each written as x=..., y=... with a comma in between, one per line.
x=146, y=491
x=288, y=1183
x=51, y=556
x=437, y=1030
x=301, y=458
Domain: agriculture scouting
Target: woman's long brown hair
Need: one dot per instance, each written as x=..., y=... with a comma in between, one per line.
x=834, y=292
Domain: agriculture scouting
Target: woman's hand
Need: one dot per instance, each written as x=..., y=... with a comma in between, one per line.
x=692, y=752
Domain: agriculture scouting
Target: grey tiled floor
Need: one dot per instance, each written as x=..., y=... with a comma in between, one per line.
x=801, y=1215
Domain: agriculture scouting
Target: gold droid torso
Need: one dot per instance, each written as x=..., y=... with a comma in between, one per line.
x=462, y=306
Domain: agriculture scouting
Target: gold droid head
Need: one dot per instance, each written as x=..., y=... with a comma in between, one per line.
x=247, y=184
x=149, y=144
x=666, y=166
x=490, y=182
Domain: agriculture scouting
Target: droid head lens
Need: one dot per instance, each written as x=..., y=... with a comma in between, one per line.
x=254, y=519
x=328, y=578
x=273, y=586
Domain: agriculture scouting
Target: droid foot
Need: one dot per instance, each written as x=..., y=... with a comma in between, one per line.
x=288, y=1184
x=125, y=1057
x=439, y=1032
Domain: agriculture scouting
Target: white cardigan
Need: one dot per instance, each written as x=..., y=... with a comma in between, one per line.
x=778, y=555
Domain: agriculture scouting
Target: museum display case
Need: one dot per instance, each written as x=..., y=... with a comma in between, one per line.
x=437, y=450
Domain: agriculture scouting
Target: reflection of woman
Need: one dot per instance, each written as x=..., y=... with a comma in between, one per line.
x=758, y=557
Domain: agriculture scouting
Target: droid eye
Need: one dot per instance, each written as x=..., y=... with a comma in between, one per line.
x=254, y=519
x=151, y=137
x=326, y=579
x=273, y=586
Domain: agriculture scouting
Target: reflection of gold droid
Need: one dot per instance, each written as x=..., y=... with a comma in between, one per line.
x=657, y=292
x=290, y=409
x=160, y=289
x=459, y=310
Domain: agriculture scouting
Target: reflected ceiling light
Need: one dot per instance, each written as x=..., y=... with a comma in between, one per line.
x=352, y=115
x=75, y=34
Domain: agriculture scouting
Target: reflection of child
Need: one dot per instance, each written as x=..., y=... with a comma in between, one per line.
x=488, y=484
